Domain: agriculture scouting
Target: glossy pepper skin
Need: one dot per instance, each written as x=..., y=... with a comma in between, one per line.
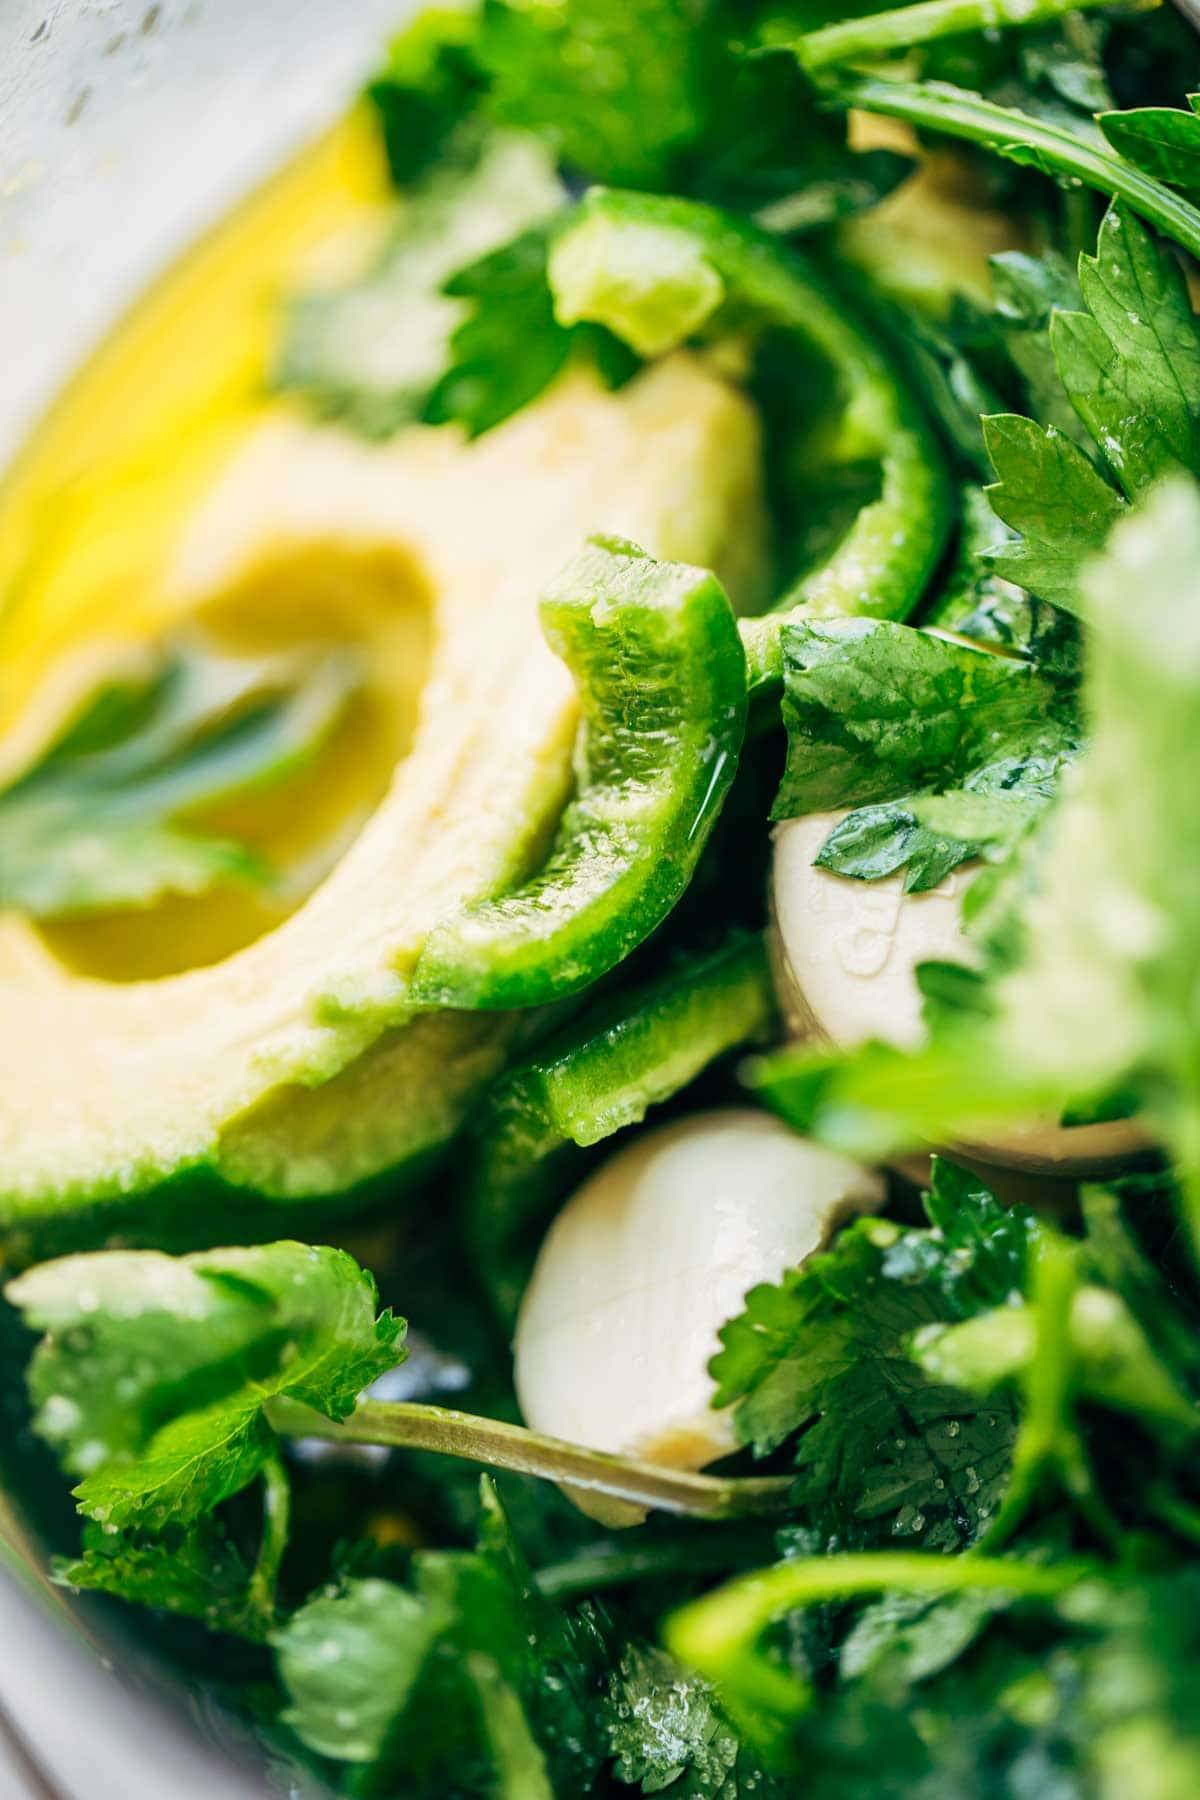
x=655, y=651
x=658, y=270
x=625, y=1054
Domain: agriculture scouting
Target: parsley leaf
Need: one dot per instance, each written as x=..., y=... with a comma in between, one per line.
x=106, y=818
x=151, y=1379
x=884, y=1451
x=1164, y=141
x=370, y=351
x=666, y=1731
x=196, y=1571
x=1048, y=491
x=977, y=603
x=616, y=90
x=1099, y=919
x=768, y=149
x=509, y=345
x=1131, y=363
x=421, y=1682
x=939, y=747
x=428, y=85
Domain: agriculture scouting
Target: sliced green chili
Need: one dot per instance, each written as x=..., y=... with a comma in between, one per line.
x=657, y=271
x=655, y=651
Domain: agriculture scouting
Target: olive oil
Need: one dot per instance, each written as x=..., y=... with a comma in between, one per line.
x=96, y=504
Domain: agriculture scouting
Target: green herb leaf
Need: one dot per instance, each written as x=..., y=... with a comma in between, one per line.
x=422, y=1683
x=977, y=603
x=884, y=1451
x=428, y=85
x=510, y=346
x=941, y=748
x=151, y=1379
x=1028, y=291
x=107, y=817
x=1048, y=491
x=370, y=352
x=196, y=1571
x=1131, y=363
x=616, y=90
x=1164, y=141
x=667, y=1732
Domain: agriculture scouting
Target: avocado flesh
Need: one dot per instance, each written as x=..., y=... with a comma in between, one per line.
x=106, y=1089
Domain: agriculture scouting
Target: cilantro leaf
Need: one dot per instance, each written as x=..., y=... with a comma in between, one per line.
x=421, y=1682
x=106, y=818
x=196, y=1571
x=940, y=748
x=666, y=1731
x=1164, y=141
x=151, y=1379
x=370, y=351
x=884, y=1451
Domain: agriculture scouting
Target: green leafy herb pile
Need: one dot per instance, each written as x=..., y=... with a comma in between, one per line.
x=956, y=1550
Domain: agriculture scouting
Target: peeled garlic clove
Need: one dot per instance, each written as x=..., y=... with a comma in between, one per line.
x=844, y=955
x=647, y=1261
x=848, y=949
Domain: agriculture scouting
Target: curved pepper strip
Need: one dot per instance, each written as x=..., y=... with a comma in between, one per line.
x=654, y=648
x=657, y=270
x=603, y=1072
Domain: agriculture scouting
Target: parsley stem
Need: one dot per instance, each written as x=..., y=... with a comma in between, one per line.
x=1049, y=1446
x=713, y=1634
x=408, y=1425
x=957, y=113
x=277, y=1512
x=848, y=40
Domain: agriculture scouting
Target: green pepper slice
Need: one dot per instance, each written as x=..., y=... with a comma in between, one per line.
x=657, y=271
x=626, y=1054
x=654, y=648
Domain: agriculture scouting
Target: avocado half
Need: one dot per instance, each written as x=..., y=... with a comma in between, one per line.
x=295, y=1068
